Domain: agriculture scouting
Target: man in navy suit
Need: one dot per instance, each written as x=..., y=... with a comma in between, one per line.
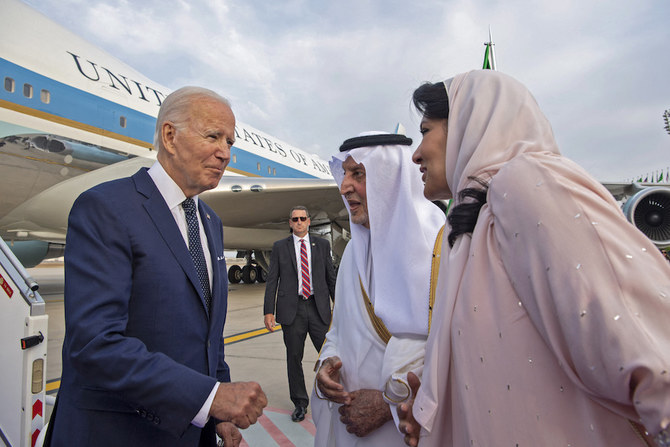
x=146, y=296
x=300, y=286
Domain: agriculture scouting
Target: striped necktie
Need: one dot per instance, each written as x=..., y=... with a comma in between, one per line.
x=304, y=270
x=195, y=249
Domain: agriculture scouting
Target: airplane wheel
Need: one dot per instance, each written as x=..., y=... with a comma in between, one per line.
x=249, y=274
x=261, y=274
x=234, y=274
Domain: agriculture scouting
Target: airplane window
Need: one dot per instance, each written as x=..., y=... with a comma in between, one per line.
x=274, y=171
x=234, y=158
x=269, y=170
x=122, y=121
x=45, y=96
x=27, y=90
x=258, y=166
x=9, y=84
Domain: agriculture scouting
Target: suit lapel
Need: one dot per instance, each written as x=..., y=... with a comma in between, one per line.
x=312, y=251
x=162, y=217
x=291, y=249
x=213, y=253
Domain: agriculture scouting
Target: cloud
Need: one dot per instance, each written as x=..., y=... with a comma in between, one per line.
x=315, y=73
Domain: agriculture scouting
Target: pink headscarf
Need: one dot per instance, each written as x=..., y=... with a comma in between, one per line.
x=553, y=239
x=492, y=119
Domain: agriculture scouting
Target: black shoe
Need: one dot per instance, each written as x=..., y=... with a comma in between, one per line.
x=298, y=414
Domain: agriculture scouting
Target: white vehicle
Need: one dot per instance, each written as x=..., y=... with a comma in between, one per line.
x=23, y=354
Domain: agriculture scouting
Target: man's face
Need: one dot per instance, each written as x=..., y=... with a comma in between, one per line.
x=353, y=190
x=198, y=151
x=297, y=224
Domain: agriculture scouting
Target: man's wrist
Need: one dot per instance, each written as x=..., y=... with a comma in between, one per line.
x=203, y=416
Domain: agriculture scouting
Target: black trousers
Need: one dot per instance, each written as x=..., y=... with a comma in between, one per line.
x=307, y=321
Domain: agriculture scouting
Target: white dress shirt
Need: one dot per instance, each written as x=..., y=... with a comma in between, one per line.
x=174, y=196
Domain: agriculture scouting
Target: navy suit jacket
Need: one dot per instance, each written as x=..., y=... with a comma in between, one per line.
x=141, y=354
x=281, y=289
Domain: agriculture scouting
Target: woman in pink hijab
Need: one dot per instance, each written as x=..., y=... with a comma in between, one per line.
x=551, y=324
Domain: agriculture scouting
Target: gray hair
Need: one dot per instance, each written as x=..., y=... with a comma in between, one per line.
x=298, y=207
x=176, y=105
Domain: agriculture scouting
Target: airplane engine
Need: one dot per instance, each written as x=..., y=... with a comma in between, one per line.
x=31, y=253
x=649, y=211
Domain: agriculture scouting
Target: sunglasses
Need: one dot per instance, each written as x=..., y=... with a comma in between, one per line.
x=302, y=218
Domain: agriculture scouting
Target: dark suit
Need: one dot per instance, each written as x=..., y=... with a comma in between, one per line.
x=141, y=354
x=299, y=317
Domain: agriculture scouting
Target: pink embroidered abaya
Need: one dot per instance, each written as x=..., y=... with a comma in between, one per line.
x=552, y=320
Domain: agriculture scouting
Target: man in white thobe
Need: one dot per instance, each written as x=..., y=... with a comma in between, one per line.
x=381, y=315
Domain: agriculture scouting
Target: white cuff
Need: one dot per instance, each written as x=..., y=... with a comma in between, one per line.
x=202, y=417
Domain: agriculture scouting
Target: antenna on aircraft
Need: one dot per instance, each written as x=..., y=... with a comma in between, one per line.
x=489, y=54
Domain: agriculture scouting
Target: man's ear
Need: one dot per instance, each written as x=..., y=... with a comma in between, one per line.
x=168, y=134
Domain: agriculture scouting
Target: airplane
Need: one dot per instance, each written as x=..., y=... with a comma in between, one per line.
x=73, y=116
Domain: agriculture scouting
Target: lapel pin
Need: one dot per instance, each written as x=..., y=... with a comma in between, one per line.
x=208, y=216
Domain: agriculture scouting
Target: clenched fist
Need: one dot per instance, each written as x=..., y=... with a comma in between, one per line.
x=241, y=403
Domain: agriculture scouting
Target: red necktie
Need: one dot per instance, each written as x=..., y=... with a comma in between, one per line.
x=304, y=270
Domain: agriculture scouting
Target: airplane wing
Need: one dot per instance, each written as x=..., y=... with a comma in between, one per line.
x=241, y=202
x=259, y=202
x=622, y=190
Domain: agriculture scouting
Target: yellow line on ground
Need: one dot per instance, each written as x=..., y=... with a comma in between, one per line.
x=55, y=385
x=245, y=335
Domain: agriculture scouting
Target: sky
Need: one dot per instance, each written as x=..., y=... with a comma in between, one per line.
x=314, y=73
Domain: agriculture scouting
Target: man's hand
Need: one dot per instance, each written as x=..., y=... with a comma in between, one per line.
x=366, y=412
x=230, y=435
x=238, y=402
x=270, y=322
x=408, y=424
x=328, y=381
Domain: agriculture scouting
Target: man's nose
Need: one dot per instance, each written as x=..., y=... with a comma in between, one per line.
x=223, y=152
x=346, y=186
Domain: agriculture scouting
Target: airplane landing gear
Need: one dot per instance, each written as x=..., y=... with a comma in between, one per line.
x=234, y=274
x=249, y=274
x=261, y=274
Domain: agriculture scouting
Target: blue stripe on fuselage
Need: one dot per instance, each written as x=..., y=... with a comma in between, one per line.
x=91, y=110
x=74, y=104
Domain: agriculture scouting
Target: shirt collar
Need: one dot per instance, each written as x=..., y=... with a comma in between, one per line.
x=296, y=239
x=171, y=192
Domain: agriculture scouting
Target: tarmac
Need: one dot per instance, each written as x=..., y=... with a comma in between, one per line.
x=253, y=354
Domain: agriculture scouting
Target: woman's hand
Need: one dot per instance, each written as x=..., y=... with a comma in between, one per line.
x=408, y=425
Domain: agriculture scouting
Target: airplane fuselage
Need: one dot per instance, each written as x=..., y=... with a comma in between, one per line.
x=68, y=109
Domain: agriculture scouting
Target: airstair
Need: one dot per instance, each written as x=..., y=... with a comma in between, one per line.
x=23, y=354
